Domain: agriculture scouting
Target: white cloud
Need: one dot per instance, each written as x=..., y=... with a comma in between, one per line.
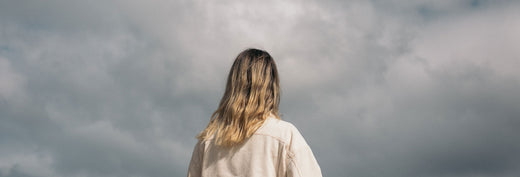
x=11, y=83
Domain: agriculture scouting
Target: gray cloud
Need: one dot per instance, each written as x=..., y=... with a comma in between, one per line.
x=378, y=88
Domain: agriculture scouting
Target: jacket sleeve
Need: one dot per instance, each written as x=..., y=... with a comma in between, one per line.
x=195, y=167
x=300, y=159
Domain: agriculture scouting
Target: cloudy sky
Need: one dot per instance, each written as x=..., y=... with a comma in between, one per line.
x=380, y=88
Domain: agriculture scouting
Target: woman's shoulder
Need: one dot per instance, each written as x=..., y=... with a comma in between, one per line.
x=279, y=129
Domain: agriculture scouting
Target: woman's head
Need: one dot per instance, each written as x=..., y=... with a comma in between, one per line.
x=253, y=82
x=252, y=93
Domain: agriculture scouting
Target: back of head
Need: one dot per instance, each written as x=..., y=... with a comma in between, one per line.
x=252, y=93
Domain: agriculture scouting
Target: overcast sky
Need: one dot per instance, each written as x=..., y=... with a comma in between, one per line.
x=380, y=88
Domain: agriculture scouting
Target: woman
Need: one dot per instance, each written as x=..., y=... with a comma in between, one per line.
x=245, y=136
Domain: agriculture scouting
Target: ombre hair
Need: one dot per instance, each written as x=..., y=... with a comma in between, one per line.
x=251, y=95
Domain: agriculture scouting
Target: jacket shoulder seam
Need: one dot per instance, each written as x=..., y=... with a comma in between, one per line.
x=275, y=137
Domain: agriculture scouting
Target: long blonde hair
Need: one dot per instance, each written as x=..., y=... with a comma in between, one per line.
x=252, y=93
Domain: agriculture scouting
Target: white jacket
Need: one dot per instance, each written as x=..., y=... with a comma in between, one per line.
x=276, y=149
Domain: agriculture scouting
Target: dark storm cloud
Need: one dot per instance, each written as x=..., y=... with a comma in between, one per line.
x=379, y=88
